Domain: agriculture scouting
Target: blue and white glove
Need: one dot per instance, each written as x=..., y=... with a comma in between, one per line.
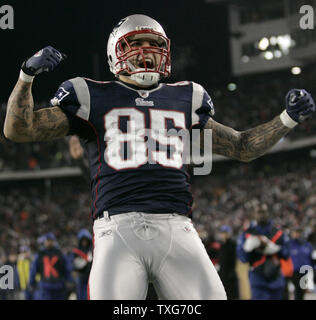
x=299, y=107
x=46, y=59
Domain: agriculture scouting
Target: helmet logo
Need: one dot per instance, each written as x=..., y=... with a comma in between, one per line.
x=118, y=25
x=120, y=22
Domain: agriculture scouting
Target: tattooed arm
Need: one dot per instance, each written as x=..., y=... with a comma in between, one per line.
x=253, y=143
x=23, y=124
x=245, y=145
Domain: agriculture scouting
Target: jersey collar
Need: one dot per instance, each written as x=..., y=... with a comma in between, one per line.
x=140, y=90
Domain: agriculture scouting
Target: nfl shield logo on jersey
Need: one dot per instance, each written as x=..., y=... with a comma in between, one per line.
x=143, y=93
x=59, y=96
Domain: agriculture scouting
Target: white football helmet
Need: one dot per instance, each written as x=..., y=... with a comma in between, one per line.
x=119, y=51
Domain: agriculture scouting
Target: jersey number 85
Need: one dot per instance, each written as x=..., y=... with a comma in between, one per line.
x=140, y=151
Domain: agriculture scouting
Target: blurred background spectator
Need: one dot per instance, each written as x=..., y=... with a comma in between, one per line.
x=263, y=245
x=54, y=270
x=227, y=259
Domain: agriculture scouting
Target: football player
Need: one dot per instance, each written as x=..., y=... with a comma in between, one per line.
x=140, y=190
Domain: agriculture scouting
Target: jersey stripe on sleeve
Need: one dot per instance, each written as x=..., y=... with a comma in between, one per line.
x=83, y=96
x=197, y=99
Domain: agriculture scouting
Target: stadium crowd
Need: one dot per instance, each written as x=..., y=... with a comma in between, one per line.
x=284, y=184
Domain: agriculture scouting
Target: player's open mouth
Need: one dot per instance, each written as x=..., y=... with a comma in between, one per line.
x=149, y=63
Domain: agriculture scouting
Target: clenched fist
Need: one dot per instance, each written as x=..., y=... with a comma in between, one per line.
x=46, y=59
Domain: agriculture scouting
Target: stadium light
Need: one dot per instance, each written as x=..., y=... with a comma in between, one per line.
x=277, y=54
x=312, y=153
x=232, y=86
x=273, y=40
x=263, y=44
x=268, y=55
x=245, y=59
x=296, y=70
x=285, y=42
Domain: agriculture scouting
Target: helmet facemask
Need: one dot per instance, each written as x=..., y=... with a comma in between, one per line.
x=138, y=62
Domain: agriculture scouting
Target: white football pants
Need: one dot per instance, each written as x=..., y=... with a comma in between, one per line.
x=132, y=249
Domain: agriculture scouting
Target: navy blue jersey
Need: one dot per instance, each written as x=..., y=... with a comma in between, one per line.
x=133, y=168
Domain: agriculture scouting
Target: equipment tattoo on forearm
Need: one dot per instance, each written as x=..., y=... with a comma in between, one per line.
x=23, y=124
x=246, y=145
